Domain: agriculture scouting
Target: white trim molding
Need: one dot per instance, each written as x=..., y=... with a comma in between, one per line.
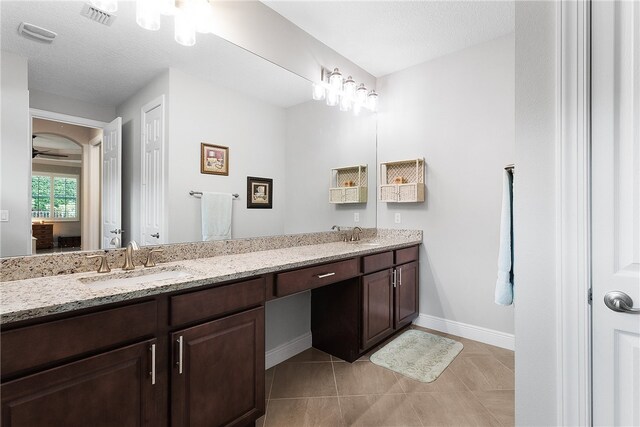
x=464, y=330
x=287, y=350
x=573, y=174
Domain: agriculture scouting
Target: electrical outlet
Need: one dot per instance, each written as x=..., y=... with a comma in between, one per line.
x=356, y=217
x=4, y=216
x=398, y=219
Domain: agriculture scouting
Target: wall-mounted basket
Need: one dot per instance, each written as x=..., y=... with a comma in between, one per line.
x=348, y=185
x=402, y=181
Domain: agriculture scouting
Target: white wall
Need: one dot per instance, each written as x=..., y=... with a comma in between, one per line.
x=456, y=112
x=534, y=226
x=15, y=158
x=320, y=138
x=72, y=107
x=130, y=111
x=255, y=134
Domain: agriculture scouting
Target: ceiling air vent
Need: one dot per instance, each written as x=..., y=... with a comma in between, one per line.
x=33, y=32
x=95, y=14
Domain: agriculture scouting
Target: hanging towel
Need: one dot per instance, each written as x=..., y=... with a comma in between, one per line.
x=216, y=216
x=504, y=284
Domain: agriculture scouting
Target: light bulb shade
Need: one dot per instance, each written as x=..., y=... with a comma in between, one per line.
x=318, y=92
x=202, y=15
x=349, y=87
x=109, y=6
x=332, y=98
x=335, y=80
x=167, y=7
x=148, y=14
x=345, y=103
x=185, y=31
x=372, y=101
x=361, y=94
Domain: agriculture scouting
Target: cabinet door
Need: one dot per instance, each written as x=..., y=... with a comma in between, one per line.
x=110, y=389
x=406, y=294
x=218, y=372
x=377, y=307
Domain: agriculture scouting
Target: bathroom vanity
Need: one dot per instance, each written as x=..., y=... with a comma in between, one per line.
x=190, y=350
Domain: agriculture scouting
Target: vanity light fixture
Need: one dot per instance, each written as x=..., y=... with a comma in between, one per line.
x=343, y=92
x=109, y=6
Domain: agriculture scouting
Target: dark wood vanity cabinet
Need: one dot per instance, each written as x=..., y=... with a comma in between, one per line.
x=217, y=375
x=377, y=307
x=110, y=389
x=406, y=294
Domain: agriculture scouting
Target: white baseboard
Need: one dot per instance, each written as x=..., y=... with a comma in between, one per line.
x=287, y=350
x=464, y=330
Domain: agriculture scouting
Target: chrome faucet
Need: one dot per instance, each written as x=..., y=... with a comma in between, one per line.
x=128, y=255
x=336, y=227
x=355, y=234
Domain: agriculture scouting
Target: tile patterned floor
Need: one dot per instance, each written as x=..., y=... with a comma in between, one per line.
x=316, y=389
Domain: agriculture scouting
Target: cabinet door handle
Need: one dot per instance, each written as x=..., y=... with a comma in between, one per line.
x=400, y=277
x=394, y=277
x=180, y=349
x=153, y=364
x=322, y=276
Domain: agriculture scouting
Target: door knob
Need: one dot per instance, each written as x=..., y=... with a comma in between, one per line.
x=156, y=235
x=620, y=302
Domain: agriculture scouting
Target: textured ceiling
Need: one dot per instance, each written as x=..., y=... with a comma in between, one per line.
x=387, y=36
x=105, y=65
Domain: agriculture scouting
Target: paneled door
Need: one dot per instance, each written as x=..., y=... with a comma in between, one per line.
x=152, y=209
x=615, y=227
x=112, y=185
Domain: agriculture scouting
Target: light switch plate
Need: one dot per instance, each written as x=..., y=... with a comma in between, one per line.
x=4, y=216
x=398, y=219
x=356, y=217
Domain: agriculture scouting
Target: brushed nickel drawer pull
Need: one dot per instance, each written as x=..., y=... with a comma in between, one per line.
x=180, y=347
x=153, y=364
x=322, y=276
x=395, y=275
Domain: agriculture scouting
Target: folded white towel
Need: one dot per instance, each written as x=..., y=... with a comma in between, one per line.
x=504, y=284
x=216, y=216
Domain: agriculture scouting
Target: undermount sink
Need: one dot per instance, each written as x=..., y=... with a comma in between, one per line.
x=365, y=243
x=128, y=279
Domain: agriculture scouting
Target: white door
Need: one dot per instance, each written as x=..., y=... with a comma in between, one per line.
x=152, y=204
x=112, y=184
x=615, y=210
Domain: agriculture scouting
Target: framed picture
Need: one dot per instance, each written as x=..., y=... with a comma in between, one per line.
x=214, y=159
x=259, y=193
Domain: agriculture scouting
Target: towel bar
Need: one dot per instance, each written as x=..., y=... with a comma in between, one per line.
x=199, y=193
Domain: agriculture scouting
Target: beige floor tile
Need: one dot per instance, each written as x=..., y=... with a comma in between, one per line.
x=447, y=381
x=364, y=378
x=303, y=380
x=451, y=409
x=310, y=355
x=507, y=360
x=268, y=381
x=482, y=373
x=378, y=410
x=315, y=411
x=500, y=403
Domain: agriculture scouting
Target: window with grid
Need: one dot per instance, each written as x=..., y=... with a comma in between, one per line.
x=54, y=197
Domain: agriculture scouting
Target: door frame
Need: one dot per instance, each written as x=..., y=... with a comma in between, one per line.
x=62, y=118
x=573, y=213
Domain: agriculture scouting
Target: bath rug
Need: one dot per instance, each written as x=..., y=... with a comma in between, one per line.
x=418, y=355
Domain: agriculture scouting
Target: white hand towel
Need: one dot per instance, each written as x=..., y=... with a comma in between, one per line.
x=504, y=284
x=216, y=216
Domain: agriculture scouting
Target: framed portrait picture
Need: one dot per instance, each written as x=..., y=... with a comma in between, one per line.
x=214, y=159
x=259, y=193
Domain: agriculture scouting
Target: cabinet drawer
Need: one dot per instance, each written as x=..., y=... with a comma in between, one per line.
x=313, y=277
x=198, y=305
x=377, y=262
x=38, y=345
x=407, y=255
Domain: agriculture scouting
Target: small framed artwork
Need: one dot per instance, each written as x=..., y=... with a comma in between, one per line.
x=259, y=193
x=214, y=159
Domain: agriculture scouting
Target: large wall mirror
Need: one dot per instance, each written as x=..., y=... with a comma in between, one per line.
x=118, y=116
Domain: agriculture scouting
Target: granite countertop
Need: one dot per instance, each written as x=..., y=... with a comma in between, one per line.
x=43, y=296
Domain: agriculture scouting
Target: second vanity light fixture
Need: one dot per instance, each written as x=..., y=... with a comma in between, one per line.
x=190, y=16
x=344, y=92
